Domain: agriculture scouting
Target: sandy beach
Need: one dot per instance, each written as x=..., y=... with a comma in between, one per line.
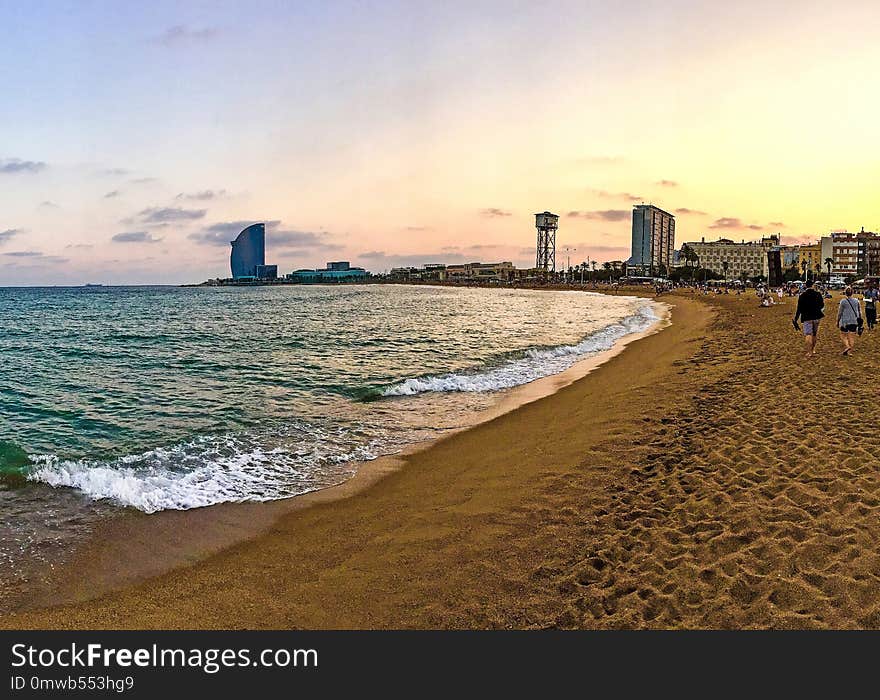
x=707, y=476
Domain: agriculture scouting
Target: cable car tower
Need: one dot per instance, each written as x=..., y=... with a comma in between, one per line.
x=545, y=259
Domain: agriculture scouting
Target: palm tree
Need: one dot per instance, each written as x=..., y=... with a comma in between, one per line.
x=725, y=265
x=804, y=269
x=686, y=254
x=607, y=267
x=828, y=263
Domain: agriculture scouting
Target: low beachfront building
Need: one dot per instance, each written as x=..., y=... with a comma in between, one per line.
x=810, y=259
x=734, y=260
x=334, y=272
x=477, y=272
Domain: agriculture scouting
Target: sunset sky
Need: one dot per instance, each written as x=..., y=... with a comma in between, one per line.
x=136, y=139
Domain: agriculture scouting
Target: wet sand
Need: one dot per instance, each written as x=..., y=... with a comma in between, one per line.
x=706, y=476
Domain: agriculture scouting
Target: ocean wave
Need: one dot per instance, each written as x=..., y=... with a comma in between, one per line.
x=209, y=470
x=533, y=364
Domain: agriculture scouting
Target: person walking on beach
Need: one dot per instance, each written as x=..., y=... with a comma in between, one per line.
x=871, y=295
x=849, y=320
x=810, y=307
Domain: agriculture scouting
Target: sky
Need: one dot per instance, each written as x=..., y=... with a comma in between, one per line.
x=137, y=139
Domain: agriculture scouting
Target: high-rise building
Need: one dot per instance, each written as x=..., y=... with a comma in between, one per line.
x=653, y=240
x=248, y=251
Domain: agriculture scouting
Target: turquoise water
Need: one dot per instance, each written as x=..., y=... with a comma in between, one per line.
x=174, y=398
x=180, y=397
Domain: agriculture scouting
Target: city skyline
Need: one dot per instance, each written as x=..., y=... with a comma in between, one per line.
x=141, y=140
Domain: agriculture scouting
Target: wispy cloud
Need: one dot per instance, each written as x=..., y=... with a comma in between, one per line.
x=9, y=233
x=776, y=224
x=494, y=212
x=734, y=223
x=35, y=255
x=301, y=239
x=112, y=194
x=603, y=214
x=222, y=233
x=203, y=196
x=604, y=194
x=47, y=204
x=726, y=222
x=143, y=180
x=666, y=183
x=14, y=166
x=135, y=237
x=79, y=246
x=158, y=215
x=182, y=34
x=113, y=172
x=690, y=212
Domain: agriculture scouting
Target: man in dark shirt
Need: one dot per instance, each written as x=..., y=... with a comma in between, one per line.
x=809, y=310
x=871, y=297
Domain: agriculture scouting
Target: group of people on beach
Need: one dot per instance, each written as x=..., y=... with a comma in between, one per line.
x=850, y=322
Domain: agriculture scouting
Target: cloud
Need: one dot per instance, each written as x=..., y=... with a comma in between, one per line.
x=46, y=204
x=80, y=246
x=221, y=234
x=734, y=223
x=158, y=215
x=776, y=224
x=617, y=195
x=113, y=172
x=494, y=212
x=181, y=34
x=9, y=233
x=135, y=237
x=35, y=255
x=13, y=166
x=666, y=183
x=418, y=228
x=604, y=214
x=300, y=239
x=111, y=195
x=726, y=222
x=143, y=180
x=693, y=212
x=202, y=196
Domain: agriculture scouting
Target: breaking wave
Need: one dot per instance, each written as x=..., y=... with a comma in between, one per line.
x=533, y=364
x=211, y=470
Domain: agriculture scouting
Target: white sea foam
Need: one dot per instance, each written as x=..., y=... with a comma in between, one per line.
x=205, y=471
x=534, y=364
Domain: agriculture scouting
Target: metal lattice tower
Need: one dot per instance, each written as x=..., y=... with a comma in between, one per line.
x=545, y=259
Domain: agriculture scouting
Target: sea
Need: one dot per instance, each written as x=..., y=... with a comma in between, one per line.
x=158, y=398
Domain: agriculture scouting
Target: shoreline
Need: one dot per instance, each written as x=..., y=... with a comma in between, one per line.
x=475, y=532
x=123, y=551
